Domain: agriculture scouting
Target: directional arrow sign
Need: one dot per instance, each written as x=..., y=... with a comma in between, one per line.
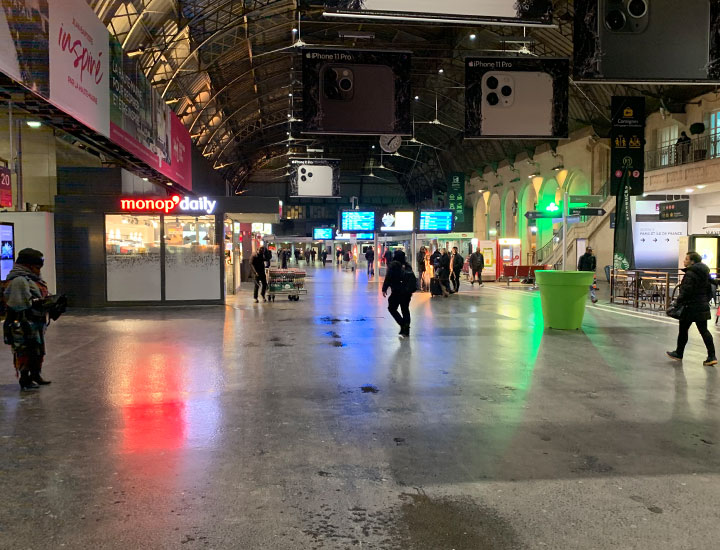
x=587, y=211
x=540, y=215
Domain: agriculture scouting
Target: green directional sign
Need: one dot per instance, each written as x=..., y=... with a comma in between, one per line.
x=587, y=212
x=541, y=215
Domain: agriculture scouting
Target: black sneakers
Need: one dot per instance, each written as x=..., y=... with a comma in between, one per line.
x=710, y=361
x=674, y=355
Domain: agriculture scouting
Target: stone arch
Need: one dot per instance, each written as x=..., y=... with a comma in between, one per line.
x=577, y=183
x=494, y=214
x=509, y=214
x=480, y=218
x=527, y=202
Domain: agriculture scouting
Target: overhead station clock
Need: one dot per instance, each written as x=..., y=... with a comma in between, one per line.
x=390, y=143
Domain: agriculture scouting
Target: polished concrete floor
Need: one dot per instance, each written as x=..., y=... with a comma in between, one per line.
x=245, y=427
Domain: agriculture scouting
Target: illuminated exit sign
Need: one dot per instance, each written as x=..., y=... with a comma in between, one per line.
x=168, y=205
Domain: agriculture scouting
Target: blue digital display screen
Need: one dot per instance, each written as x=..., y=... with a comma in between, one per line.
x=322, y=234
x=354, y=221
x=358, y=236
x=434, y=221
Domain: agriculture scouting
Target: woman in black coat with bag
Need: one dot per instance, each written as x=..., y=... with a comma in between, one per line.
x=696, y=291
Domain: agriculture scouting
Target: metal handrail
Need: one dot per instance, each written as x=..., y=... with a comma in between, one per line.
x=695, y=150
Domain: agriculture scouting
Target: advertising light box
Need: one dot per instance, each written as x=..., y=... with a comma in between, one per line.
x=395, y=222
x=322, y=234
x=358, y=236
x=7, y=244
x=354, y=221
x=436, y=221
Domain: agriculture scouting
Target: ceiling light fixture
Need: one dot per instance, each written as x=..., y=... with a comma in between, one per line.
x=441, y=71
x=417, y=97
x=701, y=186
x=473, y=36
x=34, y=123
x=689, y=190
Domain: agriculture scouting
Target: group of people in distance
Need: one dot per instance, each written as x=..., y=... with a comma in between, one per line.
x=440, y=271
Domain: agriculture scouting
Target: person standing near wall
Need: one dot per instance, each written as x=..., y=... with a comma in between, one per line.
x=477, y=262
x=27, y=319
x=421, y=268
x=370, y=258
x=456, y=265
x=588, y=262
x=694, y=299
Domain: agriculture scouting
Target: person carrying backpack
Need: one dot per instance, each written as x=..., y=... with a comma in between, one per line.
x=402, y=283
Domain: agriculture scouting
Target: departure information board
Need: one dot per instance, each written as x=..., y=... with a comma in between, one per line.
x=322, y=234
x=354, y=221
x=436, y=221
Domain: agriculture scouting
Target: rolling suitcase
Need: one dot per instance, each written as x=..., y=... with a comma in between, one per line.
x=435, y=287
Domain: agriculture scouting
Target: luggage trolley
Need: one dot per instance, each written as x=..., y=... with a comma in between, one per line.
x=290, y=282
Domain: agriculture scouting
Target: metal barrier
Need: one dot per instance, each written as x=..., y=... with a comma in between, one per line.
x=642, y=289
x=694, y=150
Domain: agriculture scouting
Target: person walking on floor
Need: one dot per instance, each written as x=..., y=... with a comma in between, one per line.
x=696, y=291
x=313, y=252
x=388, y=257
x=26, y=296
x=258, y=265
x=370, y=258
x=402, y=282
x=443, y=272
x=338, y=257
x=297, y=256
x=477, y=262
x=588, y=262
x=284, y=255
x=323, y=256
x=421, y=268
x=456, y=265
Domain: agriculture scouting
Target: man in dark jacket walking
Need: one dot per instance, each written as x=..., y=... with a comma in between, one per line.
x=694, y=298
x=258, y=265
x=442, y=272
x=456, y=265
x=588, y=262
x=388, y=257
x=477, y=262
x=370, y=258
x=400, y=295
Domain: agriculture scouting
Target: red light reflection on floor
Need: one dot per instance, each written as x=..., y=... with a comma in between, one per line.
x=153, y=408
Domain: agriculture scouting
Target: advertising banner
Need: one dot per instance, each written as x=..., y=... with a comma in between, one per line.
x=62, y=51
x=456, y=195
x=647, y=41
x=627, y=144
x=516, y=97
x=397, y=221
x=80, y=64
x=623, y=250
x=527, y=12
x=7, y=249
x=5, y=187
x=656, y=238
x=315, y=178
x=356, y=92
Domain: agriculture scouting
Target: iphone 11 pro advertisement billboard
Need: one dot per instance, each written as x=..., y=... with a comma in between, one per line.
x=528, y=12
x=315, y=178
x=647, y=40
x=356, y=92
x=508, y=97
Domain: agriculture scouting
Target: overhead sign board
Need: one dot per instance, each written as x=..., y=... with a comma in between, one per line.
x=587, y=212
x=540, y=215
x=627, y=144
x=396, y=222
x=675, y=210
x=456, y=195
x=354, y=221
x=436, y=221
x=322, y=233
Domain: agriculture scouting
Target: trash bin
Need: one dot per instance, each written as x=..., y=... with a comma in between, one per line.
x=563, y=295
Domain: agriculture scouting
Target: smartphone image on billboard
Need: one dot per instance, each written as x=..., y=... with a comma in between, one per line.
x=653, y=40
x=357, y=99
x=315, y=180
x=517, y=103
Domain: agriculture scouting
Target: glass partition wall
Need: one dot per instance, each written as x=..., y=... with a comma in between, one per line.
x=154, y=258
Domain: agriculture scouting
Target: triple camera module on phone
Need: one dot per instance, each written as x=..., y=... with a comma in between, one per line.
x=339, y=83
x=501, y=89
x=626, y=15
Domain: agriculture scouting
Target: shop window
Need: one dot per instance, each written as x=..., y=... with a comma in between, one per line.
x=192, y=258
x=295, y=212
x=132, y=245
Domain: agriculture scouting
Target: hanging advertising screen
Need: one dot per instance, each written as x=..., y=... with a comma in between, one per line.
x=322, y=234
x=7, y=249
x=315, y=178
x=396, y=222
x=527, y=13
x=516, y=97
x=62, y=52
x=436, y=221
x=356, y=92
x=355, y=221
x=628, y=41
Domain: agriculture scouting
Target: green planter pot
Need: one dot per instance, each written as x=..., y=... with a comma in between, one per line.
x=563, y=295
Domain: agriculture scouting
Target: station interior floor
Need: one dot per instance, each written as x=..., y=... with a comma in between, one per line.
x=245, y=427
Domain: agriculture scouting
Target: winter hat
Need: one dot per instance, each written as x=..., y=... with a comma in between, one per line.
x=30, y=256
